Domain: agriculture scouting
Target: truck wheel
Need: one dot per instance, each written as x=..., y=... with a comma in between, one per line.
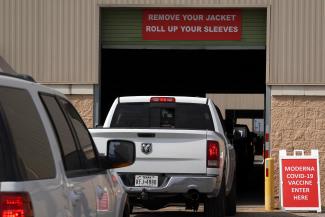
x=131, y=208
x=215, y=207
x=126, y=211
x=231, y=199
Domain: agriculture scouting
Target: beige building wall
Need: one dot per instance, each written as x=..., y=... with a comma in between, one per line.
x=84, y=105
x=298, y=122
x=237, y=101
x=57, y=41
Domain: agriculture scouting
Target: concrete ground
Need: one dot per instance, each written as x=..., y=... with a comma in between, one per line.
x=250, y=195
x=242, y=211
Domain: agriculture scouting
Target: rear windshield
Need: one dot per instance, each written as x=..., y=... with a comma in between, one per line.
x=162, y=115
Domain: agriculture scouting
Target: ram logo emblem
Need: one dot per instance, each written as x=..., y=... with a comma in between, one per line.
x=146, y=148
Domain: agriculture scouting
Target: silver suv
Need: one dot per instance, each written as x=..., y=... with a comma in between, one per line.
x=49, y=165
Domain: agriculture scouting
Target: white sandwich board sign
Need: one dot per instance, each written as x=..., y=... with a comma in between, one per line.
x=300, y=181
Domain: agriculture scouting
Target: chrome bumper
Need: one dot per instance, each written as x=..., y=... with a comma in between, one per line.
x=182, y=184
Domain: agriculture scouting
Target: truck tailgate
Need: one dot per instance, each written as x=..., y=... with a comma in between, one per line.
x=173, y=151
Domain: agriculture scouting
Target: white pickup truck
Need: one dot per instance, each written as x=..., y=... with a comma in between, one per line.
x=182, y=153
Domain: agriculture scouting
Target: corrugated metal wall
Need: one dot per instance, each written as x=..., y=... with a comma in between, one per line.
x=122, y=27
x=297, y=46
x=53, y=40
x=56, y=41
x=194, y=3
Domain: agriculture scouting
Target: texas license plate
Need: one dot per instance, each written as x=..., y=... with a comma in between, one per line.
x=146, y=181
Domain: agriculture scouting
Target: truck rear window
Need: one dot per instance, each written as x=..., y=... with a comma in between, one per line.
x=162, y=115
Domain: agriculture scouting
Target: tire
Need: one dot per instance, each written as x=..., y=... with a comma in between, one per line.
x=126, y=211
x=131, y=208
x=231, y=199
x=215, y=207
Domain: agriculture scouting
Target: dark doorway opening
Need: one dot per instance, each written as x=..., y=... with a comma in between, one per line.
x=249, y=154
x=132, y=72
x=129, y=72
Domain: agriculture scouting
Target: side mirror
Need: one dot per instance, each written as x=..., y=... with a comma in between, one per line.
x=120, y=153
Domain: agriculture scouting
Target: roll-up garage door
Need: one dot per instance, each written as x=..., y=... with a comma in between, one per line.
x=122, y=28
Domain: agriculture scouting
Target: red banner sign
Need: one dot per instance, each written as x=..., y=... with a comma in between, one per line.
x=300, y=183
x=191, y=24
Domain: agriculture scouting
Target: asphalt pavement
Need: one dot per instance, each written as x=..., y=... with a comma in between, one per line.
x=242, y=211
x=250, y=195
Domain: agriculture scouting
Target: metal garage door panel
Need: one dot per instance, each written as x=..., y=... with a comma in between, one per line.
x=121, y=28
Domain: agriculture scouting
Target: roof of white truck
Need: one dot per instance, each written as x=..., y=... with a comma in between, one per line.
x=178, y=99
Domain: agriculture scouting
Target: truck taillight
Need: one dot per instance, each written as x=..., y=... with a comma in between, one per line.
x=162, y=99
x=213, y=154
x=15, y=204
